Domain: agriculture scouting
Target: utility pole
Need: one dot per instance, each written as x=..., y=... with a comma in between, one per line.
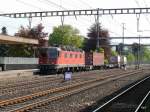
x=97, y=22
x=30, y=22
x=138, y=30
x=138, y=22
x=139, y=49
x=123, y=29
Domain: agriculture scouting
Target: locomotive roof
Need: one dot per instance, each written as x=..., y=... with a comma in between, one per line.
x=65, y=48
x=70, y=48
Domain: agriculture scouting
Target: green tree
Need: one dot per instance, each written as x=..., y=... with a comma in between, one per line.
x=130, y=57
x=4, y=47
x=120, y=48
x=91, y=43
x=101, y=50
x=20, y=50
x=146, y=54
x=35, y=32
x=66, y=35
x=114, y=53
x=141, y=51
x=135, y=48
x=4, y=30
x=4, y=50
x=24, y=50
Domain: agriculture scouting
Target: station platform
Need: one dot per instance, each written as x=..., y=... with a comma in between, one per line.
x=17, y=73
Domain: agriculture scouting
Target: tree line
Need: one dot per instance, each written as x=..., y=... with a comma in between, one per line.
x=67, y=35
x=134, y=53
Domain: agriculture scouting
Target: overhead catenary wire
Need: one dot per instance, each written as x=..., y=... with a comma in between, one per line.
x=115, y=33
x=30, y=5
x=50, y=2
x=64, y=8
x=54, y=4
x=94, y=18
x=57, y=4
x=10, y=25
x=113, y=19
x=7, y=24
x=140, y=7
x=85, y=3
x=102, y=16
x=145, y=15
x=145, y=3
x=120, y=24
x=33, y=6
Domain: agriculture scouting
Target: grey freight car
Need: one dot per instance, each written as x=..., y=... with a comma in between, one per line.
x=117, y=61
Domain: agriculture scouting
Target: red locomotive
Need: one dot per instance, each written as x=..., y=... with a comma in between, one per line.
x=56, y=59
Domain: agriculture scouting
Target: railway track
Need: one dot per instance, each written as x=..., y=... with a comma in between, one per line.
x=144, y=106
x=42, y=98
x=130, y=100
x=147, y=104
x=20, y=82
x=23, y=79
x=33, y=87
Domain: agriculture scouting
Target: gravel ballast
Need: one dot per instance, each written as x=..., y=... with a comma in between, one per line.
x=78, y=102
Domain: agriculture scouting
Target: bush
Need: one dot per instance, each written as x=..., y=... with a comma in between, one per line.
x=105, y=61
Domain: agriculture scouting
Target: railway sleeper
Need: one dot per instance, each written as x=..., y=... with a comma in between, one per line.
x=34, y=105
x=47, y=92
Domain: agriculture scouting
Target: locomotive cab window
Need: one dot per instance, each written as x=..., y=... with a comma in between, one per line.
x=58, y=53
x=43, y=52
x=53, y=53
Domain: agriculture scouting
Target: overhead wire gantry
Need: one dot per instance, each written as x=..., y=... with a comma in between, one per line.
x=86, y=12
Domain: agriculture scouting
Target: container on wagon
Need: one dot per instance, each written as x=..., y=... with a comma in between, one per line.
x=115, y=61
x=94, y=58
x=123, y=60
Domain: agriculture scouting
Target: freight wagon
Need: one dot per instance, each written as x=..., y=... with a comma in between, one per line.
x=94, y=60
x=16, y=63
x=117, y=61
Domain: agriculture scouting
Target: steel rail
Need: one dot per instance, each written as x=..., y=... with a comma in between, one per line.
x=43, y=93
x=139, y=106
x=120, y=94
x=55, y=98
x=21, y=83
x=30, y=84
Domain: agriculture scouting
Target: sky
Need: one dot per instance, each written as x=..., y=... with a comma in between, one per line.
x=113, y=23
